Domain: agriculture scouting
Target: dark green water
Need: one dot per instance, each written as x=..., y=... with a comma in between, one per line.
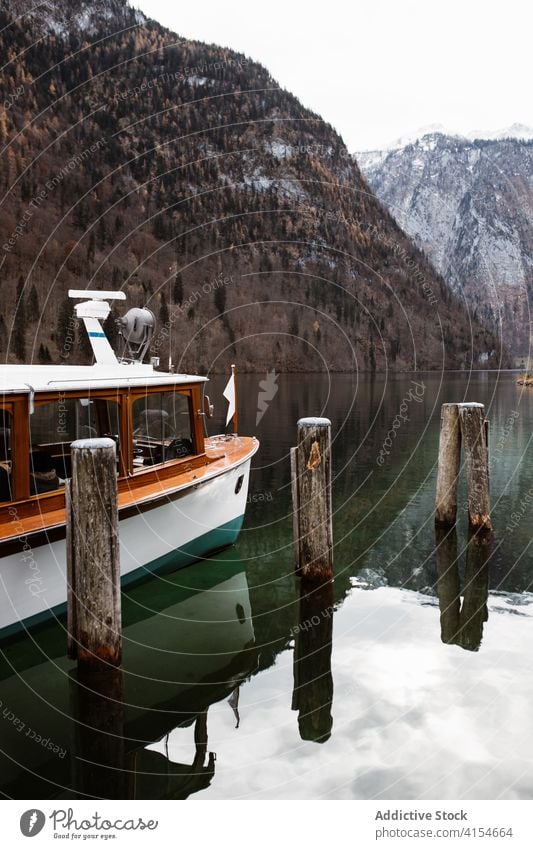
x=411, y=677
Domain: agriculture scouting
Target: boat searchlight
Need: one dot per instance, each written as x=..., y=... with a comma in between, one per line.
x=137, y=328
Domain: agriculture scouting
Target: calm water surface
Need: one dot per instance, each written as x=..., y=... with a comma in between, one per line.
x=411, y=677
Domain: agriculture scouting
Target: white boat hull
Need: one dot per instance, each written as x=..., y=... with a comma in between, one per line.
x=173, y=532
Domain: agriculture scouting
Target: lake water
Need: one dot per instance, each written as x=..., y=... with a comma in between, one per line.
x=410, y=677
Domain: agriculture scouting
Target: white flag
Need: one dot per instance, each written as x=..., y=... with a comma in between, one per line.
x=229, y=393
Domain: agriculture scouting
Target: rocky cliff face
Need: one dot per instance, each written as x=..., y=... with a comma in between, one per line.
x=184, y=174
x=468, y=204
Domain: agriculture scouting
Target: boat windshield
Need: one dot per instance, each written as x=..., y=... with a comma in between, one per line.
x=161, y=428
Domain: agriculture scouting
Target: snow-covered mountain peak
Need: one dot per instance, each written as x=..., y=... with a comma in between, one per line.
x=468, y=203
x=515, y=131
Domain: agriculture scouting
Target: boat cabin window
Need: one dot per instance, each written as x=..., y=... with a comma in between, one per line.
x=161, y=428
x=5, y=456
x=54, y=425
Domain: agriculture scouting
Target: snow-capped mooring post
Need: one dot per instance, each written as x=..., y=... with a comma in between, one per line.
x=466, y=423
x=311, y=499
x=94, y=623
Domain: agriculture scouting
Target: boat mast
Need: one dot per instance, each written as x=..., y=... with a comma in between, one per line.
x=92, y=312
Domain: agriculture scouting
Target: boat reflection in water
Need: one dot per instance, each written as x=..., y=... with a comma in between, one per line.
x=313, y=682
x=462, y=623
x=188, y=643
x=156, y=774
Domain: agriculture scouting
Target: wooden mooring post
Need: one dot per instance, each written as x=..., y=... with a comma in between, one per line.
x=311, y=499
x=93, y=560
x=463, y=423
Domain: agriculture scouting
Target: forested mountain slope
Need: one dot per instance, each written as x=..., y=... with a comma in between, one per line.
x=181, y=172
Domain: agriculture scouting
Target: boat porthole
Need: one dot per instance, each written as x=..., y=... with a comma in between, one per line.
x=238, y=485
x=239, y=609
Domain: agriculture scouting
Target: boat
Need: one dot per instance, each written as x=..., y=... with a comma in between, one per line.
x=181, y=493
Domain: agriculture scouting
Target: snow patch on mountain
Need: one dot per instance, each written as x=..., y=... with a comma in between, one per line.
x=77, y=16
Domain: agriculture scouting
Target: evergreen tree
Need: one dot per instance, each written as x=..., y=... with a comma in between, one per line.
x=19, y=323
x=102, y=234
x=178, y=290
x=265, y=263
x=220, y=299
x=372, y=355
x=91, y=247
x=33, y=307
x=293, y=328
x=81, y=215
x=44, y=354
x=163, y=311
x=64, y=326
x=159, y=229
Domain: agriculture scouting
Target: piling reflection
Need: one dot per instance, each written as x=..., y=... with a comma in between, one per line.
x=159, y=770
x=98, y=746
x=313, y=682
x=462, y=623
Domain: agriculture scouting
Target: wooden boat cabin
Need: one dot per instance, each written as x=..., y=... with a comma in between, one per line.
x=181, y=494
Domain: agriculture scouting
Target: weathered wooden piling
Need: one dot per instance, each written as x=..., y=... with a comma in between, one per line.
x=486, y=424
x=449, y=465
x=311, y=494
x=463, y=423
x=472, y=418
x=93, y=564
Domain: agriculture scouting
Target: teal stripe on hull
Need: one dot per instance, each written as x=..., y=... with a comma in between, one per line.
x=191, y=552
